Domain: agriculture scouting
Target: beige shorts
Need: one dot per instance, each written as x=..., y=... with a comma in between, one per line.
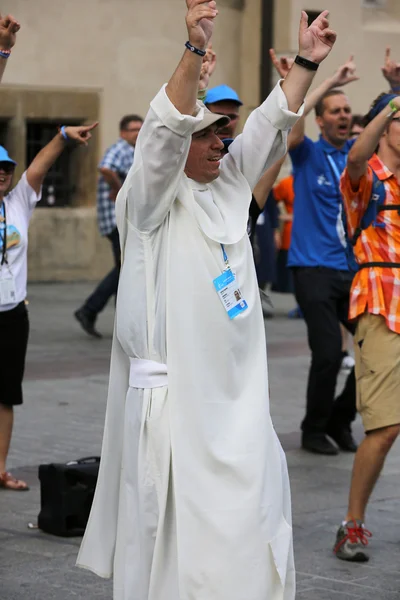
x=377, y=355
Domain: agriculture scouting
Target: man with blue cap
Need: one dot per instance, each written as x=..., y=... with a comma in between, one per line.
x=223, y=100
x=371, y=180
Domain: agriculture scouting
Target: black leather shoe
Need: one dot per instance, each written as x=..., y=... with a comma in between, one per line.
x=86, y=323
x=318, y=443
x=344, y=439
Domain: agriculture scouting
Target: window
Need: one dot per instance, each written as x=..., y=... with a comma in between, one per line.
x=312, y=15
x=60, y=183
x=3, y=132
x=373, y=3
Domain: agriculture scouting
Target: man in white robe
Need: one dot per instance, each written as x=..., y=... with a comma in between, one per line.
x=193, y=499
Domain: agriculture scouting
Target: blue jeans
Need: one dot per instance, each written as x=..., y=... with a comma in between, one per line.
x=109, y=285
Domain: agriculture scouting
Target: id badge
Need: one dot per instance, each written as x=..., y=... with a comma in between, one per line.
x=230, y=294
x=7, y=290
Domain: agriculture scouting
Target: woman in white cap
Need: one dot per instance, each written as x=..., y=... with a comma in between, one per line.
x=16, y=209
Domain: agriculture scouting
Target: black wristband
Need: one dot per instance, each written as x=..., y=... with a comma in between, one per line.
x=307, y=64
x=194, y=49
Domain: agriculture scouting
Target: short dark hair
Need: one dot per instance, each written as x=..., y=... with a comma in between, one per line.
x=124, y=122
x=320, y=106
x=370, y=114
x=357, y=120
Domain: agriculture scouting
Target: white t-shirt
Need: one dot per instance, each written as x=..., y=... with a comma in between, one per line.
x=19, y=203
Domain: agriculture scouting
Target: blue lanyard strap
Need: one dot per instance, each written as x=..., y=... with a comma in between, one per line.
x=4, y=237
x=334, y=167
x=224, y=254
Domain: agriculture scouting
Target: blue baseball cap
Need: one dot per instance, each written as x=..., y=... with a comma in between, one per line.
x=4, y=156
x=222, y=92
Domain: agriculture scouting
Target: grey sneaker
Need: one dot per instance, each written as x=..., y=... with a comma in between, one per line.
x=351, y=540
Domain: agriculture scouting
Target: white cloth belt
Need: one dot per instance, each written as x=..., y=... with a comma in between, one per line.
x=147, y=374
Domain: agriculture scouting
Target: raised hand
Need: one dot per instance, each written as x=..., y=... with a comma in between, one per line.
x=200, y=21
x=80, y=134
x=9, y=28
x=346, y=73
x=317, y=40
x=207, y=68
x=211, y=57
x=391, y=71
x=282, y=65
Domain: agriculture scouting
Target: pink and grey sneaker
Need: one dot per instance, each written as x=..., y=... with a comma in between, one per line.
x=351, y=541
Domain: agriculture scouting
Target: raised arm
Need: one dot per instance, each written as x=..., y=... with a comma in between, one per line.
x=315, y=43
x=47, y=156
x=164, y=140
x=391, y=71
x=183, y=86
x=207, y=69
x=9, y=28
x=345, y=74
x=266, y=183
x=368, y=140
x=264, y=137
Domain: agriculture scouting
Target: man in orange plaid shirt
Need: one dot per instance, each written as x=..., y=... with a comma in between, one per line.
x=375, y=303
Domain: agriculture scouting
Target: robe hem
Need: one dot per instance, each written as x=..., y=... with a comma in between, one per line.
x=93, y=570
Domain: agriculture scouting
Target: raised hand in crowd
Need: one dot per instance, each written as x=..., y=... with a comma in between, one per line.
x=282, y=64
x=316, y=40
x=345, y=74
x=391, y=71
x=43, y=161
x=207, y=69
x=315, y=43
x=81, y=133
x=9, y=28
x=182, y=89
x=200, y=22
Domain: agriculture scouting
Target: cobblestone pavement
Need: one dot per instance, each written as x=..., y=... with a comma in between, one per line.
x=62, y=419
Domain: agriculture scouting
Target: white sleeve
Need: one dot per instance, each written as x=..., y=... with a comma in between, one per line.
x=264, y=137
x=160, y=157
x=24, y=195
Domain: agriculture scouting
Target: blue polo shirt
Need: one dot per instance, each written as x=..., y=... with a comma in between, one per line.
x=317, y=238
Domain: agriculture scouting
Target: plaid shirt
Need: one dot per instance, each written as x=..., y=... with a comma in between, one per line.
x=118, y=158
x=375, y=289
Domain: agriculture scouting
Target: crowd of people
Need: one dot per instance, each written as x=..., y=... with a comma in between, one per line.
x=191, y=464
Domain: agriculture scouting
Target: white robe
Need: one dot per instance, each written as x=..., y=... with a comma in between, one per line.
x=193, y=499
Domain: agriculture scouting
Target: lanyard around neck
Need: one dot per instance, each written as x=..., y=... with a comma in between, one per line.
x=334, y=167
x=226, y=259
x=4, y=238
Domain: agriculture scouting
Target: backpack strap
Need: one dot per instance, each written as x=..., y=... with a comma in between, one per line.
x=389, y=207
x=388, y=265
x=375, y=205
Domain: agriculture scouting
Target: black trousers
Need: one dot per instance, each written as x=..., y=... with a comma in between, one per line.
x=323, y=296
x=14, y=333
x=109, y=285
